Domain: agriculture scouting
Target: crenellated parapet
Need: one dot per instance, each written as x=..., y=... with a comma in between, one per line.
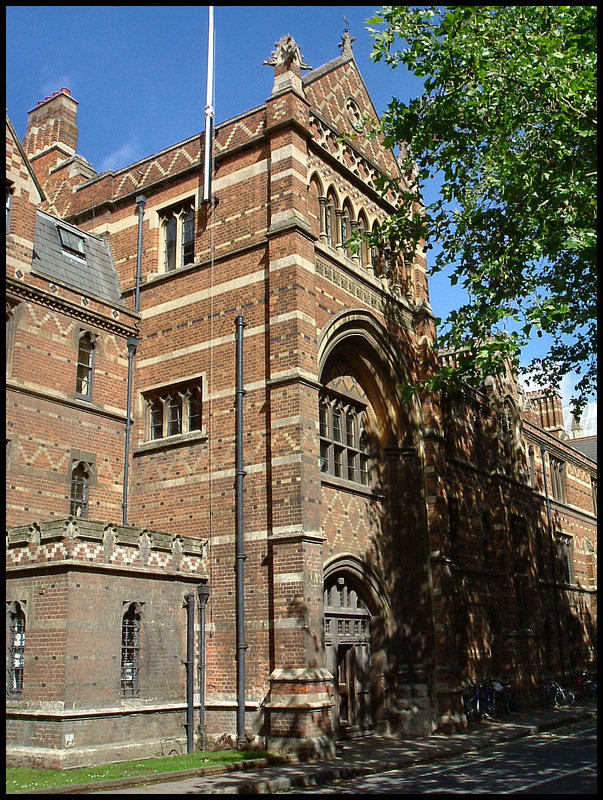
x=93, y=543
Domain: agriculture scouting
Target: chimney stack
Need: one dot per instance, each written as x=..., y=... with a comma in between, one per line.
x=577, y=432
x=547, y=410
x=52, y=124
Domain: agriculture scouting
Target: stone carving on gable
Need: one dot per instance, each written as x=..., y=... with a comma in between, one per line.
x=346, y=44
x=287, y=50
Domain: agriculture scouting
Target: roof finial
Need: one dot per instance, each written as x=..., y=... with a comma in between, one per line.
x=346, y=40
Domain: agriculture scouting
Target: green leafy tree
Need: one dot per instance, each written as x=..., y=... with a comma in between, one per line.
x=508, y=119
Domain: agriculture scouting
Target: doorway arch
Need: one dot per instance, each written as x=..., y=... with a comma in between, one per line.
x=350, y=615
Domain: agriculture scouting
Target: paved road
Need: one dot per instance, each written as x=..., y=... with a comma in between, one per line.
x=563, y=762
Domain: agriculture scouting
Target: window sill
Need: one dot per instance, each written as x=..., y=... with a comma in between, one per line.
x=154, y=276
x=351, y=486
x=171, y=442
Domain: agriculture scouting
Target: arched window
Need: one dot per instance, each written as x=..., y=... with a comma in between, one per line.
x=591, y=564
x=363, y=253
x=174, y=410
x=178, y=236
x=130, y=651
x=188, y=238
x=347, y=218
x=169, y=245
x=344, y=444
x=330, y=219
x=194, y=409
x=16, y=649
x=375, y=255
x=531, y=466
x=558, y=479
x=174, y=415
x=363, y=446
x=315, y=201
x=510, y=434
x=565, y=549
x=80, y=483
x=156, y=419
x=85, y=365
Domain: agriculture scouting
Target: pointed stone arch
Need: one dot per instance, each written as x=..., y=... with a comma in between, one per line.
x=380, y=368
x=354, y=619
x=364, y=253
x=332, y=214
x=316, y=201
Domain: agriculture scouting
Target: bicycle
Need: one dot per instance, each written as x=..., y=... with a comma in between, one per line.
x=479, y=701
x=555, y=696
x=586, y=686
x=503, y=701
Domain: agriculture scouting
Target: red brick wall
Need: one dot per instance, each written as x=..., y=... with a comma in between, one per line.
x=258, y=252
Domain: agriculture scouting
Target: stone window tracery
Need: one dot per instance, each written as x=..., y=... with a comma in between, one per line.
x=354, y=115
x=173, y=410
x=344, y=444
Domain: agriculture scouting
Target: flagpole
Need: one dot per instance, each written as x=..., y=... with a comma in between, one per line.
x=209, y=109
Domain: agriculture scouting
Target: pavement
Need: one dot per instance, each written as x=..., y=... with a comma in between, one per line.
x=366, y=755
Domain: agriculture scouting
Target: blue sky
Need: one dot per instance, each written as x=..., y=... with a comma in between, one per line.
x=139, y=74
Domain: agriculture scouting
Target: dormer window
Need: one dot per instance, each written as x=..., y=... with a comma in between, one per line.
x=72, y=243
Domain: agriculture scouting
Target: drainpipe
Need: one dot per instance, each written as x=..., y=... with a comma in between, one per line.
x=132, y=342
x=239, y=555
x=189, y=602
x=552, y=553
x=203, y=594
x=140, y=202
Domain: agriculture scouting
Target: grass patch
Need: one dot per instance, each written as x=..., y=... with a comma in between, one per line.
x=26, y=779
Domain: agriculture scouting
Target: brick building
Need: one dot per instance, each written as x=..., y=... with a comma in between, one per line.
x=393, y=550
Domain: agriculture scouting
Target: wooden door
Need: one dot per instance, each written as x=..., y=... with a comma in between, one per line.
x=347, y=641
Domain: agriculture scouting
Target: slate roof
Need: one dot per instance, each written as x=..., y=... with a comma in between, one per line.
x=92, y=274
x=587, y=446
